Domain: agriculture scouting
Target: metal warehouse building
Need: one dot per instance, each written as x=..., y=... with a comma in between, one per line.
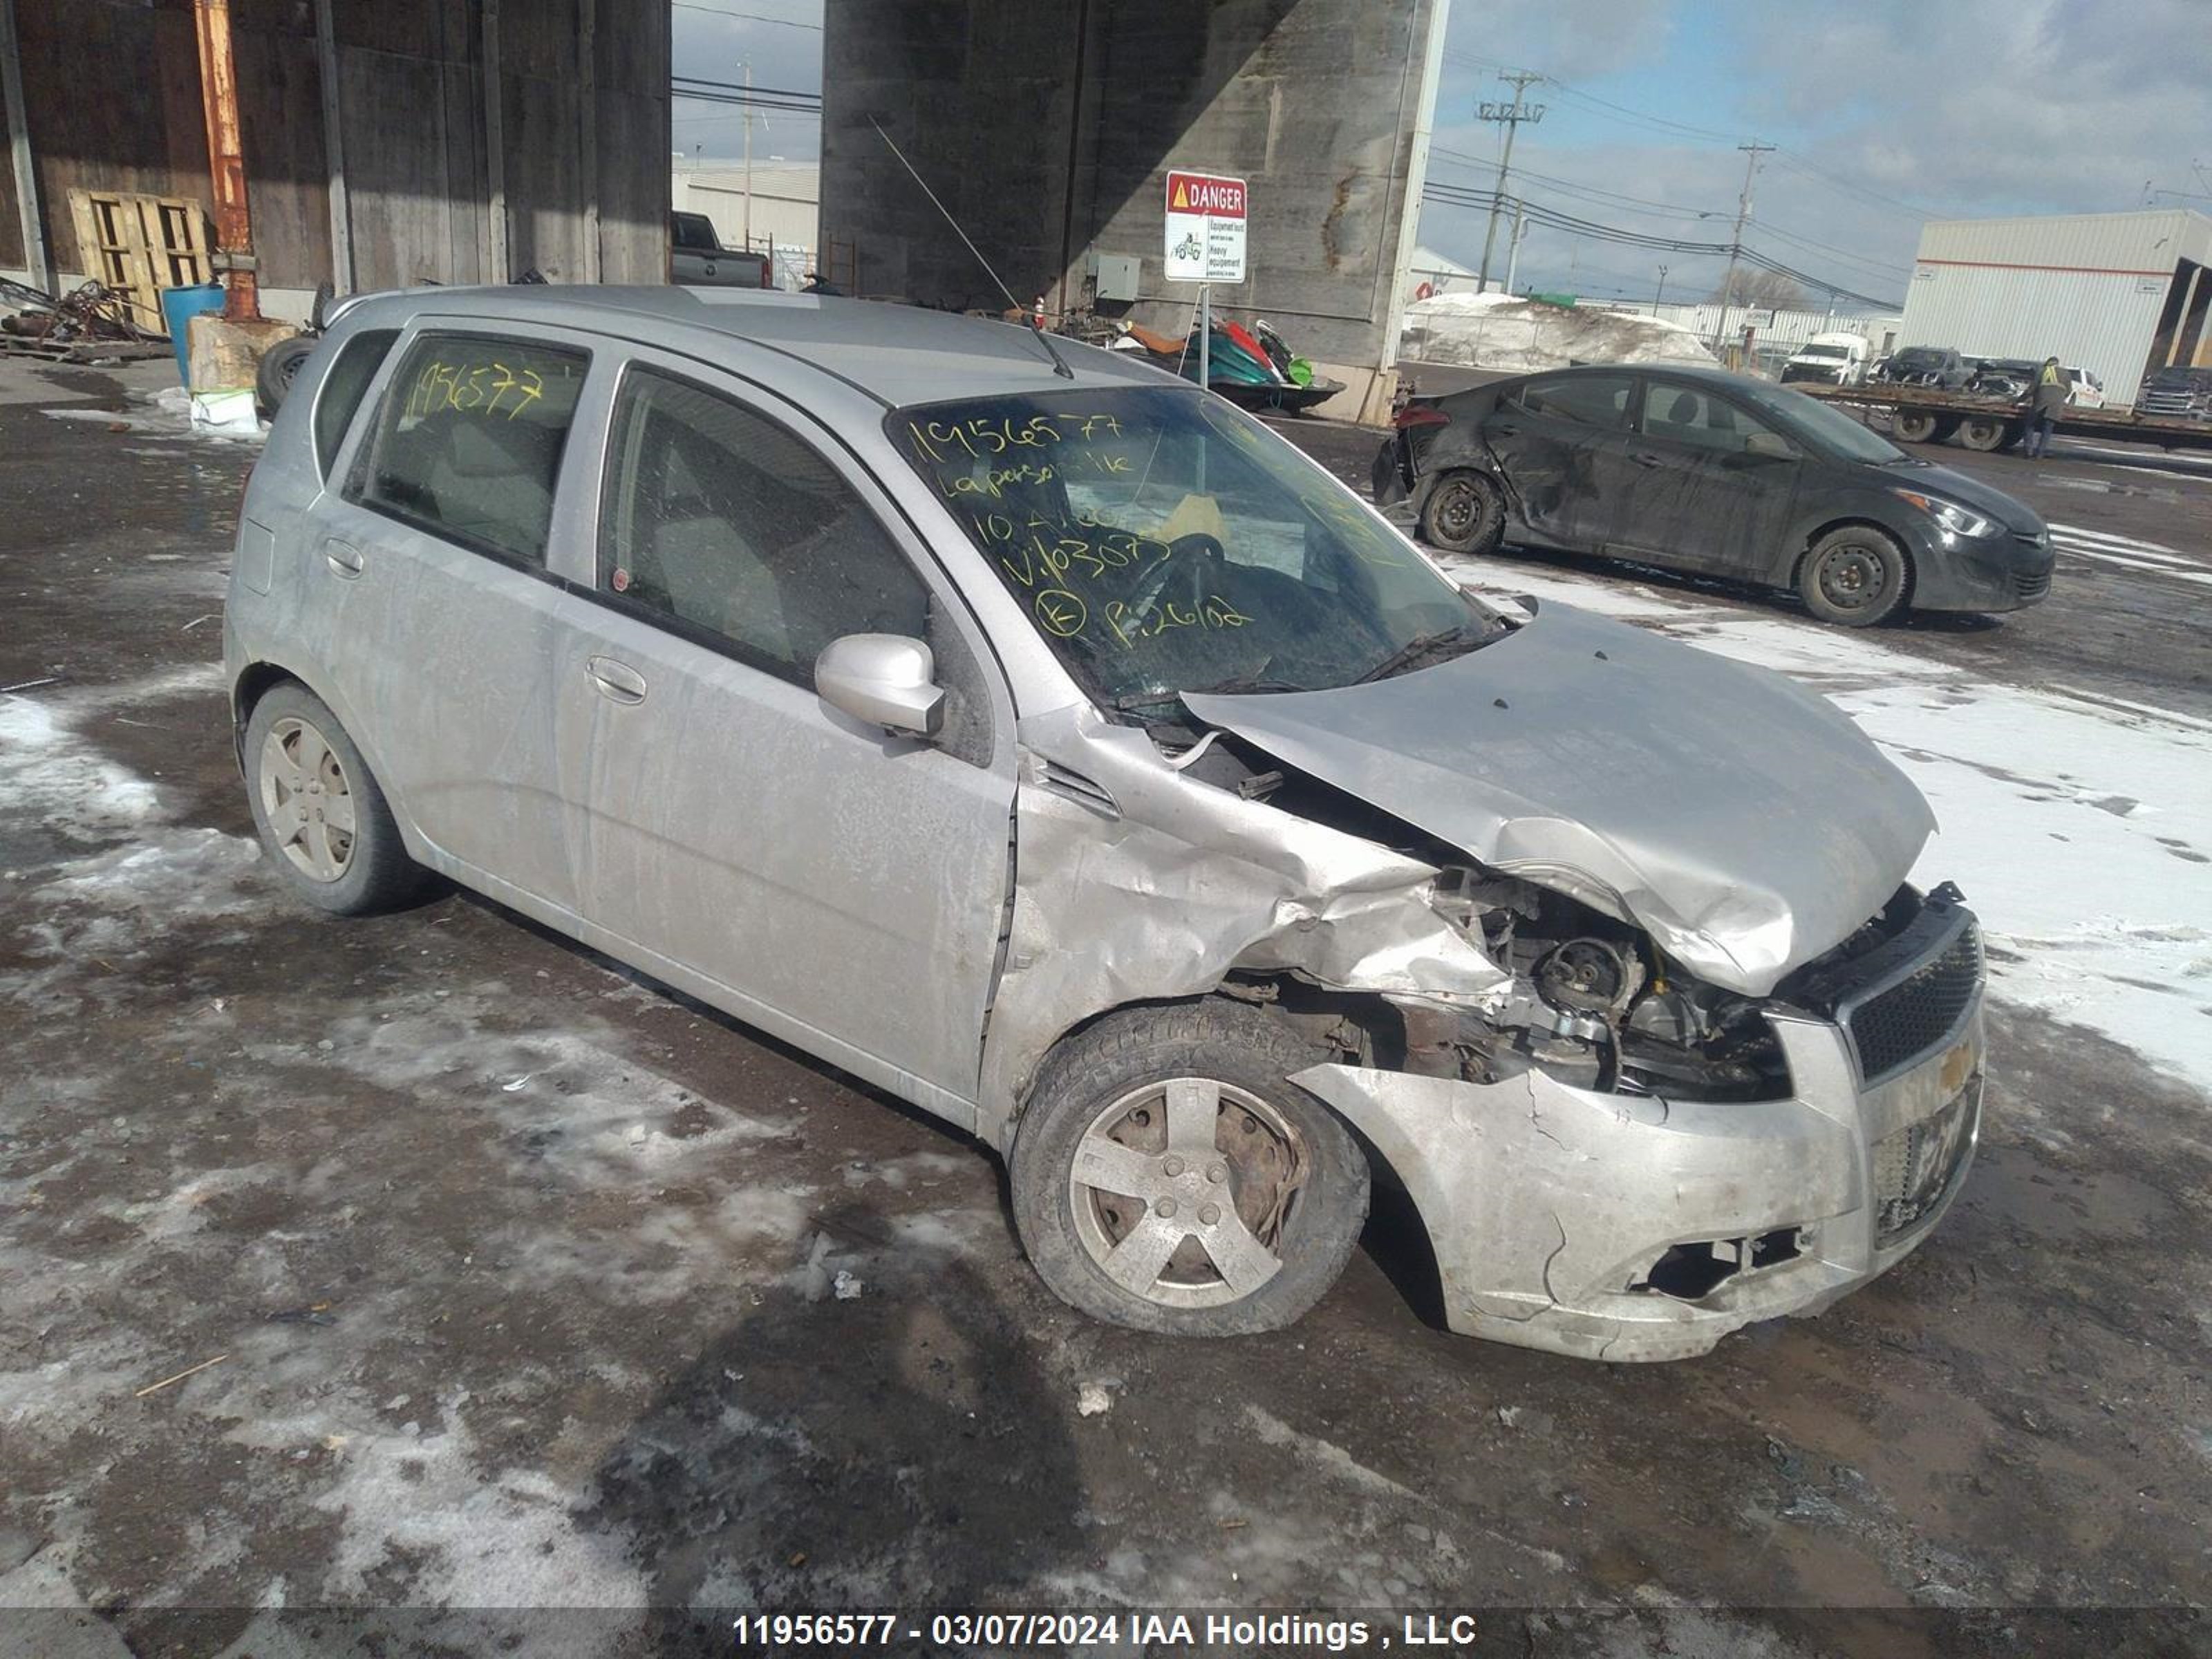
x=2121, y=294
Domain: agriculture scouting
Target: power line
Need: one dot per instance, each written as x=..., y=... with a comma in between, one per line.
x=1552, y=218
x=745, y=16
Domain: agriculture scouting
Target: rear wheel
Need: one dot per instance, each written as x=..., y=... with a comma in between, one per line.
x=322, y=818
x=1167, y=1176
x=1464, y=513
x=1986, y=433
x=1856, y=575
x=1914, y=426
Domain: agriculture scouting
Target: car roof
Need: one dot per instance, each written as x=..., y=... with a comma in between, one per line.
x=1704, y=375
x=897, y=354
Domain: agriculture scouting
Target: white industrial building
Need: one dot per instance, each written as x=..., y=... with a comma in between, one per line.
x=2120, y=295
x=766, y=204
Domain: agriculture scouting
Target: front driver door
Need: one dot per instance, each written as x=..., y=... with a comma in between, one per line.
x=839, y=887
x=1562, y=443
x=1703, y=495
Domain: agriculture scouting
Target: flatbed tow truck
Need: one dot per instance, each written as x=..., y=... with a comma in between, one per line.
x=1923, y=415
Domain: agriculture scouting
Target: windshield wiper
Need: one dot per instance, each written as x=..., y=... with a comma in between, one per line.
x=1412, y=651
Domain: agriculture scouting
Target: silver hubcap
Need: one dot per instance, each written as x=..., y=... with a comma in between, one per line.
x=1182, y=1191
x=306, y=800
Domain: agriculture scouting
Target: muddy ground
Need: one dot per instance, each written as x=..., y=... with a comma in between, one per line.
x=520, y=1276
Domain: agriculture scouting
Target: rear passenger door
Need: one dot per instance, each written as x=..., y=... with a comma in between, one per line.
x=431, y=565
x=1562, y=442
x=842, y=888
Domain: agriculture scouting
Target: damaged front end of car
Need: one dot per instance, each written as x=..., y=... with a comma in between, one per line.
x=1658, y=1050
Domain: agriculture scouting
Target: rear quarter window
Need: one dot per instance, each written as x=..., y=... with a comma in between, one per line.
x=344, y=384
x=469, y=439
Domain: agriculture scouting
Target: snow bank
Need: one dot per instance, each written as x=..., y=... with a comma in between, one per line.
x=1517, y=335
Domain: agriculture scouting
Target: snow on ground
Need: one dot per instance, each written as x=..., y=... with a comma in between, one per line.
x=2080, y=827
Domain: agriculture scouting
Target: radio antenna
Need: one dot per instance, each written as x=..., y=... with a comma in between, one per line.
x=1059, y=363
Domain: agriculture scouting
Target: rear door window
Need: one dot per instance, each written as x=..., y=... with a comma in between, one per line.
x=1692, y=416
x=1594, y=400
x=468, y=441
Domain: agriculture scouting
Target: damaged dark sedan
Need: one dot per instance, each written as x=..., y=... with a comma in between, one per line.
x=1702, y=471
x=1053, y=746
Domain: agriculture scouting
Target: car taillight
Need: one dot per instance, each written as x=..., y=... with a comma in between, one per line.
x=1415, y=414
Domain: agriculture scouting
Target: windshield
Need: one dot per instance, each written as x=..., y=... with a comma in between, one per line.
x=1918, y=357
x=2178, y=379
x=1826, y=425
x=1163, y=541
x=1822, y=351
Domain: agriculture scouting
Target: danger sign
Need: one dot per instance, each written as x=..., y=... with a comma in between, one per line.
x=1205, y=228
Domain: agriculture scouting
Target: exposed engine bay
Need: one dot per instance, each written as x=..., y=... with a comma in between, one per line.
x=1594, y=1001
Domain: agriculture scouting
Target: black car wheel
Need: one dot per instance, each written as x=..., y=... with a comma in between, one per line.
x=1464, y=513
x=1855, y=576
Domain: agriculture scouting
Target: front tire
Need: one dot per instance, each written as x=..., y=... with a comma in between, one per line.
x=1855, y=576
x=1168, y=1177
x=1464, y=512
x=322, y=820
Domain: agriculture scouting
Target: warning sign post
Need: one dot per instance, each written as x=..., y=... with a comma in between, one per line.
x=1206, y=244
x=1205, y=228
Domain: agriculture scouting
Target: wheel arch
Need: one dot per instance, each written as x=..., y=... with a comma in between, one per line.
x=262, y=675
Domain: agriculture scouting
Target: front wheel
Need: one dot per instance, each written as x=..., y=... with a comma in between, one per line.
x=1855, y=576
x=1464, y=513
x=1168, y=1177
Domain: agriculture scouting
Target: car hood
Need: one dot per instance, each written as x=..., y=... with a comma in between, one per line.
x=1740, y=819
x=1967, y=490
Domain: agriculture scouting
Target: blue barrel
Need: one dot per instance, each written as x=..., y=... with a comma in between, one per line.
x=179, y=306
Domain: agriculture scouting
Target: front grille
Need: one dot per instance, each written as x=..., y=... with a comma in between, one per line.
x=1904, y=1020
x=1914, y=1168
x=2030, y=584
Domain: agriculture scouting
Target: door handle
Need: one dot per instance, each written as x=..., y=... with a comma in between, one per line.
x=1645, y=458
x=1506, y=430
x=343, y=559
x=617, y=682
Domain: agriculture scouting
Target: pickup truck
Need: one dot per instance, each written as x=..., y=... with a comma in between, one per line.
x=696, y=258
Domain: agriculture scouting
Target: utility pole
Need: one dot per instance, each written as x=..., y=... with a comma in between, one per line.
x=748, y=155
x=1752, y=153
x=1662, y=295
x=1513, y=249
x=1512, y=115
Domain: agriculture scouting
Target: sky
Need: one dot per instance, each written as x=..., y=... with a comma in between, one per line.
x=1884, y=112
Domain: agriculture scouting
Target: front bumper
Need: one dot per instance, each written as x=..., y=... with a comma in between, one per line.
x=1555, y=1212
x=2003, y=572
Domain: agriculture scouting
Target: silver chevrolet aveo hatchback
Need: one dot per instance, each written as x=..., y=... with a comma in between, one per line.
x=1056, y=748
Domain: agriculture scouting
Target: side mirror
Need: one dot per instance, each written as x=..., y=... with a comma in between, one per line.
x=886, y=679
x=1772, y=445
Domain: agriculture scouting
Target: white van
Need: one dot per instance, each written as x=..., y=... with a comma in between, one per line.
x=1836, y=358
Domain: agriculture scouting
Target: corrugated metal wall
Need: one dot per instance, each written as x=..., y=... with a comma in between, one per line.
x=2086, y=287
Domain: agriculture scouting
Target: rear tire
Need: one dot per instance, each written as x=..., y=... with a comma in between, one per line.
x=1168, y=1177
x=1987, y=435
x=322, y=820
x=1913, y=426
x=1856, y=576
x=1464, y=512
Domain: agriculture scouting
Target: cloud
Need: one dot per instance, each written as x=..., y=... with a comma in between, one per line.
x=712, y=42
x=1968, y=108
